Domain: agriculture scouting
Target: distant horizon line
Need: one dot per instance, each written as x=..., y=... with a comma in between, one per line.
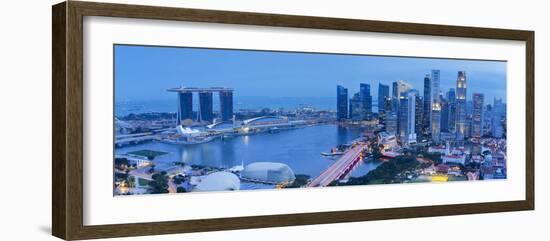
x=281, y=97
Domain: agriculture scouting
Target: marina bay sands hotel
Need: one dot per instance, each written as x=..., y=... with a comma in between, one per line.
x=206, y=103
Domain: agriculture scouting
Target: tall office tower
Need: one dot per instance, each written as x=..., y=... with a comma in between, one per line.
x=477, y=116
x=451, y=102
x=468, y=132
x=436, y=123
x=427, y=110
x=460, y=121
x=395, y=97
x=386, y=109
x=469, y=107
x=395, y=90
x=206, y=107
x=399, y=88
x=407, y=115
x=419, y=104
x=226, y=105
x=185, y=106
x=487, y=119
x=391, y=123
x=383, y=93
x=444, y=115
x=403, y=120
x=435, y=119
x=341, y=102
x=402, y=88
x=388, y=105
x=411, y=115
x=499, y=114
x=356, y=107
x=366, y=100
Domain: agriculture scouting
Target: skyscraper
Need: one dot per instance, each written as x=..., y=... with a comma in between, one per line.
x=399, y=87
x=451, y=102
x=383, y=92
x=403, y=117
x=366, y=100
x=477, y=115
x=435, y=120
x=185, y=106
x=407, y=116
x=356, y=107
x=444, y=114
x=499, y=113
x=391, y=123
x=341, y=102
x=388, y=105
x=419, y=104
x=461, y=106
x=402, y=88
x=385, y=110
x=206, y=107
x=226, y=105
x=205, y=104
x=395, y=97
x=395, y=90
x=427, y=110
x=487, y=119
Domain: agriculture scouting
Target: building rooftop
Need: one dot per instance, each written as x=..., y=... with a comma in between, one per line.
x=219, y=181
x=195, y=89
x=268, y=172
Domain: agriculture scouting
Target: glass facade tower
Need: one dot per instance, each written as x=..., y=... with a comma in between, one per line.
x=451, y=102
x=427, y=102
x=206, y=113
x=383, y=93
x=435, y=120
x=461, y=106
x=477, y=115
x=226, y=105
x=185, y=106
x=366, y=100
x=341, y=102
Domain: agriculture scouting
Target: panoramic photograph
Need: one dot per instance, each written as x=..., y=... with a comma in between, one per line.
x=203, y=120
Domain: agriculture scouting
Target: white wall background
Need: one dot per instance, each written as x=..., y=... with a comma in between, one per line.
x=25, y=107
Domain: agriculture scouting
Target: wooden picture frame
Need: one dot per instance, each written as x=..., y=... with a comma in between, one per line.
x=67, y=123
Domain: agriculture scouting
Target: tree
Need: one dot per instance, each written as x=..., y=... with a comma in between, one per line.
x=178, y=179
x=159, y=184
x=435, y=157
x=152, y=169
x=300, y=181
x=387, y=171
x=121, y=163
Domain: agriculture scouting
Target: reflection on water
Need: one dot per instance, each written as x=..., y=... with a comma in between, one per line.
x=300, y=149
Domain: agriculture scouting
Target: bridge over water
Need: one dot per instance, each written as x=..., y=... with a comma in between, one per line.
x=341, y=167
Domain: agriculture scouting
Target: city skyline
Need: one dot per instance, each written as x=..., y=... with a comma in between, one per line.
x=435, y=122
x=145, y=68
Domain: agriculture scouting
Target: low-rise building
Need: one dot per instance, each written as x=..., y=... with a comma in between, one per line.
x=454, y=158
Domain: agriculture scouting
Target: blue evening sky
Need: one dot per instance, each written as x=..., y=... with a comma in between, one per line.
x=144, y=72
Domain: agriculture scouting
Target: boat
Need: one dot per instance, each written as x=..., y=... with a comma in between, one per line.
x=337, y=153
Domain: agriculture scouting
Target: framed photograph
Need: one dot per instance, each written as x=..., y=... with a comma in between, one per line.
x=171, y=120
